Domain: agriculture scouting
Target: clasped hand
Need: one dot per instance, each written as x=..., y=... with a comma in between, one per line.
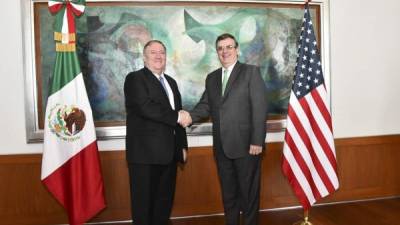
x=184, y=118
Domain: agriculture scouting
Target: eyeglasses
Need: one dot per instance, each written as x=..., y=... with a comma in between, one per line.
x=228, y=48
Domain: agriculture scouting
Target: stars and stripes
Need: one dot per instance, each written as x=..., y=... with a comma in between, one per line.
x=309, y=158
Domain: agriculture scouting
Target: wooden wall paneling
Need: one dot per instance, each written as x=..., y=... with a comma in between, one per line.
x=23, y=198
x=275, y=191
x=367, y=166
x=116, y=185
x=197, y=190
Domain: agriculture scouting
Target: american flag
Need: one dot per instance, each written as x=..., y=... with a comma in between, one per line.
x=309, y=158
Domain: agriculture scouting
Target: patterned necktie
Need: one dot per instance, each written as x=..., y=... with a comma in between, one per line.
x=163, y=84
x=224, y=80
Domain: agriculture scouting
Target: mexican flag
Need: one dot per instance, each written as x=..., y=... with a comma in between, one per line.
x=70, y=164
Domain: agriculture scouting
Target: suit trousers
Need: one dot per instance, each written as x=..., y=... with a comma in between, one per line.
x=152, y=192
x=240, y=184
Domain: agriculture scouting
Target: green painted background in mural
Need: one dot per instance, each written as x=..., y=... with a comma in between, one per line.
x=110, y=42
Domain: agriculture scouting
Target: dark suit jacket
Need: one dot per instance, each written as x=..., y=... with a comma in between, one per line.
x=239, y=116
x=153, y=135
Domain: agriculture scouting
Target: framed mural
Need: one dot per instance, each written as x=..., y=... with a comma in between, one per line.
x=111, y=36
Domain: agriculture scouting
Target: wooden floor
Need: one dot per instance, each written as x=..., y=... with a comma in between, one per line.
x=377, y=212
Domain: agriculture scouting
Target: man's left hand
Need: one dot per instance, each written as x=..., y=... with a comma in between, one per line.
x=184, y=152
x=255, y=149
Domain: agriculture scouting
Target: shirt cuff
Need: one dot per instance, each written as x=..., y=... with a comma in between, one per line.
x=179, y=117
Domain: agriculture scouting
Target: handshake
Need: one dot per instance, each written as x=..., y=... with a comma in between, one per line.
x=184, y=118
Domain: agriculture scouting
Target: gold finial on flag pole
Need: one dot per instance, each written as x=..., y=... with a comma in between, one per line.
x=305, y=221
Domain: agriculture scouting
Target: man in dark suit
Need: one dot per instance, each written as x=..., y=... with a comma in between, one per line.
x=155, y=142
x=235, y=98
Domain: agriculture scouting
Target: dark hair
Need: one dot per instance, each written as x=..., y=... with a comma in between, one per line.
x=151, y=42
x=226, y=36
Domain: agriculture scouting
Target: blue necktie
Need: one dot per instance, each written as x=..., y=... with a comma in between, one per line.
x=163, y=84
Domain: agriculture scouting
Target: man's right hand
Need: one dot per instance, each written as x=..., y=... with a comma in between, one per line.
x=184, y=118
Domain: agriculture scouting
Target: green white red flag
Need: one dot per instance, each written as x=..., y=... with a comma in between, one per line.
x=70, y=164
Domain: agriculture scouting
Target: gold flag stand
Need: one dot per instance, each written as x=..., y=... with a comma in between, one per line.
x=305, y=221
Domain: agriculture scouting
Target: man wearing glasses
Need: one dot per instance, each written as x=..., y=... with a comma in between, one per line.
x=235, y=98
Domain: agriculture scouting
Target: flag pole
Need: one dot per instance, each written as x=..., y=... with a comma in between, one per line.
x=305, y=215
x=305, y=221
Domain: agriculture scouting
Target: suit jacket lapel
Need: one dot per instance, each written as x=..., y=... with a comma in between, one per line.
x=232, y=78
